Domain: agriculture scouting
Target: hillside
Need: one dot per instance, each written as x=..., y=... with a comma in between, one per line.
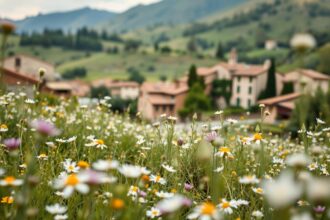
x=168, y=12
x=246, y=30
x=67, y=21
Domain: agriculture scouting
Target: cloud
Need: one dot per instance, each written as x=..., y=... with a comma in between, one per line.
x=18, y=9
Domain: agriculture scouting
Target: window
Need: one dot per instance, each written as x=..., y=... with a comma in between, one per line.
x=156, y=108
x=250, y=90
x=17, y=62
x=238, y=89
x=239, y=79
x=171, y=108
x=238, y=102
x=249, y=103
x=164, y=108
x=250, y=79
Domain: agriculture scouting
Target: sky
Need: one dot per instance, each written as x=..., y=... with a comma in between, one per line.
x=18, y=9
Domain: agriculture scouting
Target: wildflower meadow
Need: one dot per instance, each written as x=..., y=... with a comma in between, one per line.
x=63, y=160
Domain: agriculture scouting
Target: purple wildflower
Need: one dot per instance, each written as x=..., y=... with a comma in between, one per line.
x=319, y=209
x=12, y=143
x=45, y=127
x=210, y=137
x=188, y=186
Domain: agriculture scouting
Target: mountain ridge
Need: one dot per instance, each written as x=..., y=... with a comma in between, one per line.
x=64, y=20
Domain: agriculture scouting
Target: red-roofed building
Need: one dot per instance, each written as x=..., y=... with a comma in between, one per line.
x=122, y=89
x=160, y=98
x=18, y=82
x=29, y=66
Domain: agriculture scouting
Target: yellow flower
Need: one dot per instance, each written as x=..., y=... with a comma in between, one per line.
x=7, y=199
x=72, y=180
x=257, y=137
x=225, y=205
x=3, y=126
x=208, y=208
x=99, y=141
x=83, y=164
x=224, y=150
x=117, y=204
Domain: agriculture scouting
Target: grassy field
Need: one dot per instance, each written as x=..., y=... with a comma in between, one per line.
x=152, y=66
x=60, y=160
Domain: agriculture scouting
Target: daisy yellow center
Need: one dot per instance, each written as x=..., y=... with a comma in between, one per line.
x=72, y=180
x=154, y=212
x=135, y=189
x=71, y=168
x=9, y=179
x=42, y=155
x=100, y=141
x=208, y=208
x=225, y=205
x=224, y=150
x=257, y=136
x=3, y=126
x=157, y=179
x=259, y=190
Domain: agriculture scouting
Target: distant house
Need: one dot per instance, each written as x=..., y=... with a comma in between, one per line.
x=160, y=98
x=303, y=81
x=16, y=82
x=58, y=88
x=306, y=80
x=248, y=81
x=29, y=66
x=121, y=89
x=280, y=106
x=80, y=88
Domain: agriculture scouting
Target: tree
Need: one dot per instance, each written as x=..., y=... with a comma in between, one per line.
x=219, y=53
x=78, y=72
x=221, y=88
x=196, y=101
x=270, y=90
x=191, y=45
x=163, y=78
x=324, y=56
x=192, y=76
x=99, y=92
x=136, y=77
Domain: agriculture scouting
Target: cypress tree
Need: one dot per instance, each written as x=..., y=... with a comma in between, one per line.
x=192, y=76
x=271, y=80
x=219, y=52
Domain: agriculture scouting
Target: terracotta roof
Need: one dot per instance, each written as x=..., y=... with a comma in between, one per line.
x=58, y=85
x=242, y=69
x=288, y=104
x=279, y=99
x=205, y=71
x=20, y=76
x=163, y=88
x=109, y=83
x=314, y=74
x=79, y=87
x=31, y=57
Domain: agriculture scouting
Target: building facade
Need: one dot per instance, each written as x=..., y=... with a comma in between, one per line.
x=29, y=66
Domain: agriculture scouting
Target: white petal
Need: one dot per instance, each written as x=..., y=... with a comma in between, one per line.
x=82, y=188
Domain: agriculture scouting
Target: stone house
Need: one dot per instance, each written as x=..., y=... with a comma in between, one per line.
x=29, y=66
